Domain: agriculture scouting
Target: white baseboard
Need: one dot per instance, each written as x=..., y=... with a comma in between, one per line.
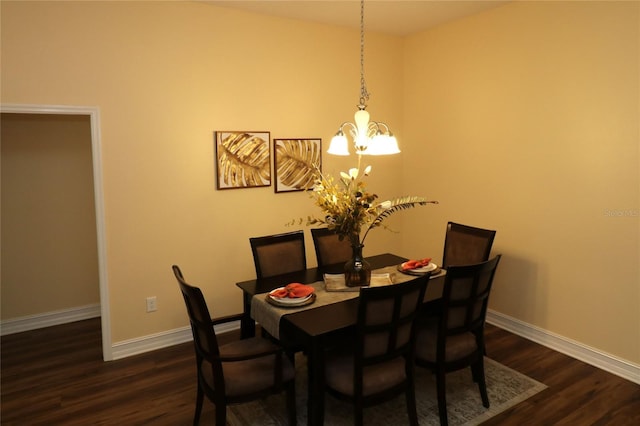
x=592, y=356
x=48, y=319
x=612, y=364
x=161, y=340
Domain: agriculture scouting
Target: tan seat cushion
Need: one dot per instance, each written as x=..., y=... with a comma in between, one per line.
x=456, y=346
x=377, y=378
x=245, y=377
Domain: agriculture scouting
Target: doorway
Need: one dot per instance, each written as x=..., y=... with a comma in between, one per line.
x=92, y=176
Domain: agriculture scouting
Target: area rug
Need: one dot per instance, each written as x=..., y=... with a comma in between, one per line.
x=505, y=387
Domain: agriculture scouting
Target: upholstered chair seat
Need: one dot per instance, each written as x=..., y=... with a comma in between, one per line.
x=251, y=376
x=376, y=378
x=451, y=337
x=456, y=347
x=377, y=363
x=236, y=372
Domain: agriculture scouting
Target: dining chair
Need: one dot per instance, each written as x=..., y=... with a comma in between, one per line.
x=237, y=372
x=378, y=364
x=464, y=245
x=329, y=248
x=278, y=254
x=454, y=339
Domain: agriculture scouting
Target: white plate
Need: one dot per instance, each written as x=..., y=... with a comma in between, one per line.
x=289, y=300
x=430, y=267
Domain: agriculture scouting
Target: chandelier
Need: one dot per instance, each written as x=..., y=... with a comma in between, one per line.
x=369, y=137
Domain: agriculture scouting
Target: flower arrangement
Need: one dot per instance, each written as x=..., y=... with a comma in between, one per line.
x=350, y=209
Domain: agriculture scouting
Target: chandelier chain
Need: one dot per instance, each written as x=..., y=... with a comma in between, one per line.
x=364, y=94
x=369, y=137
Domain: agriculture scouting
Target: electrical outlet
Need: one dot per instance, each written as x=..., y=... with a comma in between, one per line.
x=152, y=304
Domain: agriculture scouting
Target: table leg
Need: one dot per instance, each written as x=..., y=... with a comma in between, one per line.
x=247, y=324
x=315, y=371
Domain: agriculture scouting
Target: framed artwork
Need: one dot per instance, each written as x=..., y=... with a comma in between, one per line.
x=296, y=161
x=243, y=159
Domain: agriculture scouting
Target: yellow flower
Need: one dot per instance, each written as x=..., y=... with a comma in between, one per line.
x=348, y=208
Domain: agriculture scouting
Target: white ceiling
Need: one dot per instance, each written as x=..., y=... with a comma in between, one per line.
x=398, y=17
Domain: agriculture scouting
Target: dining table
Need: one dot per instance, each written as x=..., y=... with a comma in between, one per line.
x=316, y=325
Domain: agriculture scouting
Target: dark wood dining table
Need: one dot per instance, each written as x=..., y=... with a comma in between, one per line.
x=314, y=329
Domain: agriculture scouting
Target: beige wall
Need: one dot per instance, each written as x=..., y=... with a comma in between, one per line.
x=49, y=250
x=165, y=75
x=523, y=119
x=530, y=112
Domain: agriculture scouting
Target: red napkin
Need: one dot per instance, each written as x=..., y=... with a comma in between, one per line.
x=414, y=264
x=293, y=291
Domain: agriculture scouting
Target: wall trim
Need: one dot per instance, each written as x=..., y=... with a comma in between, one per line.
x=163, y=339
x=48, y=319
x=602, y=360
x=96, y=151
x=607, y=362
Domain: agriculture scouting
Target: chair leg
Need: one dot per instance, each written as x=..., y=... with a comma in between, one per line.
x=442, y=398
x=478, y=374
x=291, y=404
x=199, y=401
x=221, y=415
x=358, y=414
x=412, y=410
x=474, y=374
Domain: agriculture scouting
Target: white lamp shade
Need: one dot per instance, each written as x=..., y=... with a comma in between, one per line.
x=391, y=146
x=383, y=145
x=377, y=144
x=339, y=145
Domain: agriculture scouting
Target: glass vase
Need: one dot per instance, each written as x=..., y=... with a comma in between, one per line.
x=357, y=271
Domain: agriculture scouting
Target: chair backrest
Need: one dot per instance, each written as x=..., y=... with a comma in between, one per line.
x=465, y=296
x=278, y=254
x=385, y=327
x=466, y=245
x=329, y=248
x=204, y=337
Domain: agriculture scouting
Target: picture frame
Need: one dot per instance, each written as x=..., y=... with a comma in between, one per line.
x=243, y=159
x=295, y=163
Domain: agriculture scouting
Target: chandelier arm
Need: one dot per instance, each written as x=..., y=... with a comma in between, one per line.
x=347, y=124
x=373, y=128
x=387, y=130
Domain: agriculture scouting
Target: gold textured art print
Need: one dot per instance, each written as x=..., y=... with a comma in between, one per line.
x=243, y=159
x=296, y=163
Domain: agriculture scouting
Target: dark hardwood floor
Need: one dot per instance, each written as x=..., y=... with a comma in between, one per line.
x=56, y=376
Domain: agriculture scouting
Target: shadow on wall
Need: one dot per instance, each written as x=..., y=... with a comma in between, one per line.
x=518, y=284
